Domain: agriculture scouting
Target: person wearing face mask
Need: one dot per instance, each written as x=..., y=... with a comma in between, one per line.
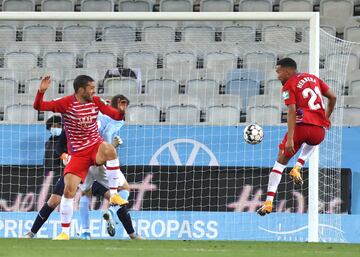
x=51, y=158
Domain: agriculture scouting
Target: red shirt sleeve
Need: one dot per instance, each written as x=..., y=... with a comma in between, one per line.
x=323, y=86
x=58, y=105
x=288, y=92
x=108, y=110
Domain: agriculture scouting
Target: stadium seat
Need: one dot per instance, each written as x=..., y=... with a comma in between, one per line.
x=341, y=9
x=180, y=61
x=199, y=34
x=354, y=83
x=125, y=86
x=162, y=87
x=351, y=110
x=264, y=61
x=243, y=87
x=97, y=5
x=59, y=60
x=220, y=61
x=140, y=60
x=18, y=5
x=253, y=74
x=333, y=83
x=39, y=33
x=222, y=115
x=354, y=88
x=8, y=87
x=8, y=33
x=273, y=87
x=106, y=60
x=203, y=89
x=296, y=6
x=118, y=34
x=79, y=33
x=21, y=113
x=327, y=28
x=337, y=59
x=135, y=5
x=352, y=33
x=20, y=60
x=239, y=34
x=142, y=114
x=57, y=5
x=301, y=59
x=176, y=5
x=32, y=86
x=183, y=115
x=225, y=100
x=336, y=22
x=216, y=5
x=255, y=6
x=278, y=33
x=159, y=34
x=264, y=110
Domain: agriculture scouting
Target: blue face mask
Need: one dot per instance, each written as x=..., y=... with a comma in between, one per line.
x=55, y=132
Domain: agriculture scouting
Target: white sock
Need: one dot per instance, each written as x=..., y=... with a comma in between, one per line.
x=66, y=213
x=274, y=180
x=305, y=154
x=113, y=175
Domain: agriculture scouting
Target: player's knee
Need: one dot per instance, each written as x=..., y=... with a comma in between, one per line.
x=69, y=192
x=110, y=152
x=125, y=186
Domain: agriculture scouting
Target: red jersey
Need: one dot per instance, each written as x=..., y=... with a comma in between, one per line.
x=80, y=120
x=306, y=92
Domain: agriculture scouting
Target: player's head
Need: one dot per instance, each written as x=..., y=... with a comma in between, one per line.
x=54, y=125
x=84, y=87
x=285, y=68
x=119, y=99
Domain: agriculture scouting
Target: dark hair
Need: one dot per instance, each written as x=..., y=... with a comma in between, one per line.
x=53, y=120
x=82, y=81
x=287, y=63
x=116, y=98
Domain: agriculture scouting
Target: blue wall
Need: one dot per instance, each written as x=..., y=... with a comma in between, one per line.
x=24, y=144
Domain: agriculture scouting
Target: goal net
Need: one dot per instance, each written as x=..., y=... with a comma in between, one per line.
x=193, y=86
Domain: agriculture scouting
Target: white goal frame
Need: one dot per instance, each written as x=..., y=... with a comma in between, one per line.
x=314, y=52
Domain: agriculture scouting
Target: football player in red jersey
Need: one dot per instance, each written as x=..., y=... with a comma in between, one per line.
x=85, y=145
x=307, y=120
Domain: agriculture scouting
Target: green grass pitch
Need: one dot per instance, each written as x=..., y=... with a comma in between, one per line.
x=150, y=248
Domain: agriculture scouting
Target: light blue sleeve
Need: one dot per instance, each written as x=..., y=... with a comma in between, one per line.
x=112, y=129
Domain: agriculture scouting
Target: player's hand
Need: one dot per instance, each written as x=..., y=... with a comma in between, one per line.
x=122, y=105
x=65, y=158
x=45, y=83
x=116, y=141
x=289, y=146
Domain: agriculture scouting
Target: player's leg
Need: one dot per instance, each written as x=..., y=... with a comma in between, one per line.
x=305, y=154
x=124, y=215
x=99, y=188
x=84, y=204
x=47, y=208
x=107, y=154
x=277, y=171
x=71, y=182
x=313, y=136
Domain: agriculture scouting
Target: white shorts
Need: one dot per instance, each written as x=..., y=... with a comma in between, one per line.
x=98, y=173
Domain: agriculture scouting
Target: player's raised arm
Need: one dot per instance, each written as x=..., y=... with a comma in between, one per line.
x=41, y=105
